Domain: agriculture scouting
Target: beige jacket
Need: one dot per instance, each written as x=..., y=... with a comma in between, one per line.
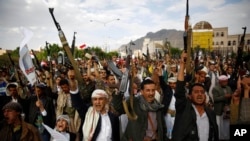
x=75, y=122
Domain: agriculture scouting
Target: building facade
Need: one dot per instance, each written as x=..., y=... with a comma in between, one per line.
x=225, y=43
x=218, y=39
x=202, y=35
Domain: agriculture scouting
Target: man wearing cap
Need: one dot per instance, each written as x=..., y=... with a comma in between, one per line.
x=12, y=95
x=99, y=124
x=221, y=95
x=202, y=77
x=193, y=121
x=14, y=128
x=41, y=110
x=173, y=71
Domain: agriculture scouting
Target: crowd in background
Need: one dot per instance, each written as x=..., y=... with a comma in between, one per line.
x=170, y=102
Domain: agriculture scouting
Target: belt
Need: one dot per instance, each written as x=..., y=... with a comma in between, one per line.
x=171, y=112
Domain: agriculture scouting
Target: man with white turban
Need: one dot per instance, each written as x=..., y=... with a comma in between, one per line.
x=99, y=124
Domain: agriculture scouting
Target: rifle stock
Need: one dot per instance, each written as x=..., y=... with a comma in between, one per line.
x=66, y=48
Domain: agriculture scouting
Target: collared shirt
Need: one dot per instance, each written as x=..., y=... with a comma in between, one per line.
x=106, y=130
x=172, y=102
x=151, y=131
x=14, y=100
x=202, y=125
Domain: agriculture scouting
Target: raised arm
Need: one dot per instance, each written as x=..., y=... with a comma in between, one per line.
x=76, y=99
x=180, y=85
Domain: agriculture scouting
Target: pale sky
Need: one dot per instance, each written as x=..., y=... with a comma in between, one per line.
x=137, y=18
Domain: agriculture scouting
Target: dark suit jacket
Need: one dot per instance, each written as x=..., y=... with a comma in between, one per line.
x=34, y=111
x=185, y=127
x=167, y=93
x=219, y=98
x=82, y=109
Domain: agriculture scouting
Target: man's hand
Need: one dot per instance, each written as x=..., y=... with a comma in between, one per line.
x=183, y=57
x=39, y=104
x=246, y=83
x=228, y=95
x=71, y=74
x=159, y=67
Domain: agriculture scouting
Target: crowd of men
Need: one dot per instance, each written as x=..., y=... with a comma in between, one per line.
x=168, y=103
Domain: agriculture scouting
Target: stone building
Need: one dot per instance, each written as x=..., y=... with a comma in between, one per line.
x=217, y=38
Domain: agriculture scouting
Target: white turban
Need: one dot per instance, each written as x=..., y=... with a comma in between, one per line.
x=99, y=93
x=172, y=79
x=65, y=117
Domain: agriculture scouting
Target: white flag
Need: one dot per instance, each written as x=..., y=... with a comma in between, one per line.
x=25, y=61
x=55, y=134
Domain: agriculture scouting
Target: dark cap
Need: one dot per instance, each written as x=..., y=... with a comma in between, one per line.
x=40, y=85
x=13, y=106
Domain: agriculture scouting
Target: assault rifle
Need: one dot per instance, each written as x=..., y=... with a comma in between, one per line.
x=239, y=70
x=50, y=73
x=185, y=34
x=123, y=88
x=239, y=60
x=37, y=62
x=18, y=79
x=67, y=48
x=73, y=44
x=187, y=40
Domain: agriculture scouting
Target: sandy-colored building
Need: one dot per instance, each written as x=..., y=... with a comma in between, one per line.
x=202, y=35
x=2, y=51
x=217, y=38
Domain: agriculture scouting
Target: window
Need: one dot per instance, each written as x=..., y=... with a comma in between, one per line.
x=217, y=34
x=234, y=42
x=248, y=42
x=222, y=34
x=221, y=43
x=217, y=43
x=229, y=43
